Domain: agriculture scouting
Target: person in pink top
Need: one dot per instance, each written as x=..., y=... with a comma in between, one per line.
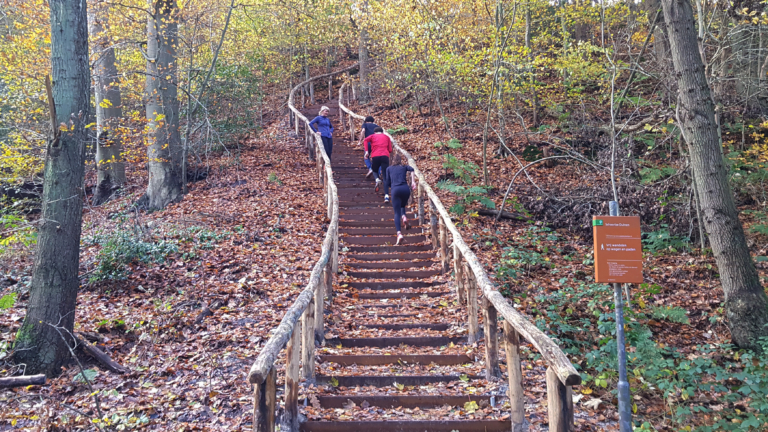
x=379, y=146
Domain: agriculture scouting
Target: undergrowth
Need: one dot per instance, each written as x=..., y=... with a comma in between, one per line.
x=129, y=244
x=716, y=387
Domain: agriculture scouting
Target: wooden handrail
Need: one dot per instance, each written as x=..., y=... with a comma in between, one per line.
x=551, y=353
x=264, y=363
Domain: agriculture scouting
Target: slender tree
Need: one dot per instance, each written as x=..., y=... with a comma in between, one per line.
x=746, y=304
x=109, y=163
x=365, y=85
x=41, y=343
x=163, y=136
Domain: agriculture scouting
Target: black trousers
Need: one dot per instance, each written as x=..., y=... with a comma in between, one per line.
x=328, y=144
x=383, y=163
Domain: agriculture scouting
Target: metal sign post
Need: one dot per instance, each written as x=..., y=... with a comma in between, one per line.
x=625, y=407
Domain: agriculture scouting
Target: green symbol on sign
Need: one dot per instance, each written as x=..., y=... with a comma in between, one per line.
x=597, y=222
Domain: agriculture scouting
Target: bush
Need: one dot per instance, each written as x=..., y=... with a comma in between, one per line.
x=463, y=170
x=121, y=247
x=467, y=196
x=400, y=129
x=661, y=240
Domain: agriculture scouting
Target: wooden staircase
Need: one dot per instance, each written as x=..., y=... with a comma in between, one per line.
x=399, y=347
x=399, y=340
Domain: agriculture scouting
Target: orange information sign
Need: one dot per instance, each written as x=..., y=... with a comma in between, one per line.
x=618, y=249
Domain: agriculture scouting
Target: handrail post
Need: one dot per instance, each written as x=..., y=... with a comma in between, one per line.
x=458, y=269
x=351, y=129
x=490, y=318
x=296, y=124
x=319, y=311
x=515, y=373
x=421, y=204
x=328, y=275
x=336, y=250
x=292, y=354
x=330, y=88
x=433, y=223
x=329, y=202
x=321, y=170
x=264, y=403
x=444, y=247
x=471, y=305
x=559, y=403
x=308, y=342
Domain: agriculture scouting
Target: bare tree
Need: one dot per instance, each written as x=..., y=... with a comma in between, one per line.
x=164, y=152
x=53, y=292
x=746, y=304
x=109, y=111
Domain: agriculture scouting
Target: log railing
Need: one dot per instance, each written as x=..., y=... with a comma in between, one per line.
x=470, y=276
x=300, y=345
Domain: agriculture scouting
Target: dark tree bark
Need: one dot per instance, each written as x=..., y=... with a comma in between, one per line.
x=53, y=292
x=164, y=150
x=109, y=111
x=746, y=304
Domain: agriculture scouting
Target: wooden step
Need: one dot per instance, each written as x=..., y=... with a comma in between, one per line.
x=378, y=231
x=390, y=285
x=383, y=342
x=383, y=241
x=388, y=380
x=408, y=295
x=408, y=274
x=390, y=256
x=380, y=360
x=391, y=249
x=408, y=426
x=405, y=326
x=386, y=223
x=406, y=401
x=390, y=265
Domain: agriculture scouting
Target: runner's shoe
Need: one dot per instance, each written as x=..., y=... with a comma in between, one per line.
x=378, y=185
x=386, y=198
x=400, y=239
x=404, y=221
x=370, y=173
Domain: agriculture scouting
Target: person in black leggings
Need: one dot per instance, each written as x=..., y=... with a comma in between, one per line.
x=397, y=178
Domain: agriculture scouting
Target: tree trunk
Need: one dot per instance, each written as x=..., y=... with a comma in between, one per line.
x=163, y=136
x=53, y=291
x=109, y=111
x=746, y=304
x=365, y=87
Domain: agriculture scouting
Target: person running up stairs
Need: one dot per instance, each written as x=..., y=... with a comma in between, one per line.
x=367, y=130
x=379, y=146
x=397, y=177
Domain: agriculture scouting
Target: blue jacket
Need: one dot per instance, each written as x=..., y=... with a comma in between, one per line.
x=324, y=126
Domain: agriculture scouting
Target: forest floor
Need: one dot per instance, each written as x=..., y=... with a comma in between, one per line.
x=245, y=239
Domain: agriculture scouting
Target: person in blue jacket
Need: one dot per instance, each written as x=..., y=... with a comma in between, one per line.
x=368, y=127
x=322, y=126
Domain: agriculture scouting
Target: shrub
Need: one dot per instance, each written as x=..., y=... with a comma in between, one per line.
x=463, y=170
x=121, y=247
x=467, y=196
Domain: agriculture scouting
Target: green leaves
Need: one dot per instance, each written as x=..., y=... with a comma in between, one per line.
x=467, y=196
x=88, y=375
x=7, y=301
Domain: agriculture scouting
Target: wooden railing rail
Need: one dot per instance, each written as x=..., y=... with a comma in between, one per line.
x=470, y=275
x=300, y=345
